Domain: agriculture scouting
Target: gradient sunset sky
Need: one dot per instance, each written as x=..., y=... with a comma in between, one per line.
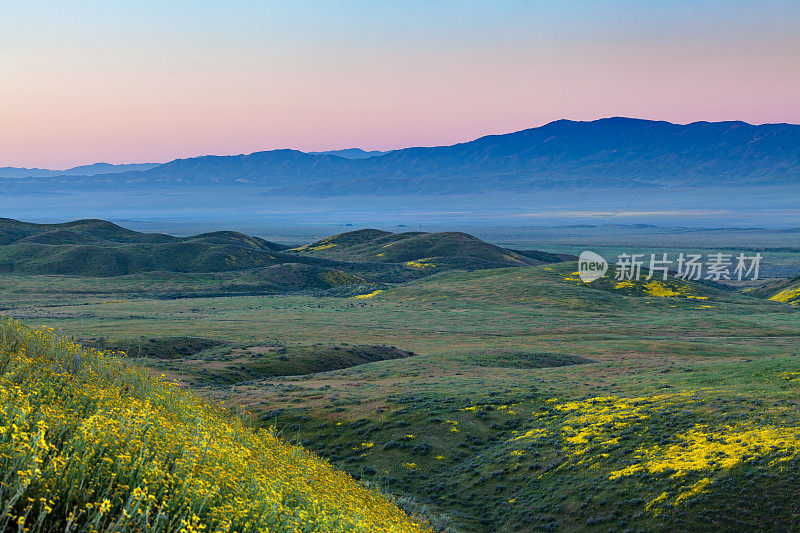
x=150, y=81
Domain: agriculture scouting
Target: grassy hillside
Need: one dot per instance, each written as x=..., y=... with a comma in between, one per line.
x=420, y=250
x=785, y=291
x=283, y=278
x=88, y=443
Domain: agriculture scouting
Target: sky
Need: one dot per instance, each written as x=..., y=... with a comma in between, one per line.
x=150, y=81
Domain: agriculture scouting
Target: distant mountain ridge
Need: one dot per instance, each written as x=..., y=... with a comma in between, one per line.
x=83, y=170
x=351, y=153
x=613, y=152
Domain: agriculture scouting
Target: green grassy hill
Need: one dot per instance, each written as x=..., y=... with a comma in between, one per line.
x=100, y=248
x=420, y=250
x=683, y=419
x=75, y=232
x=276, y=279
x=89, y=443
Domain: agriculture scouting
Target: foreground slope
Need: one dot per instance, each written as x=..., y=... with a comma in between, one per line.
x=88, y=443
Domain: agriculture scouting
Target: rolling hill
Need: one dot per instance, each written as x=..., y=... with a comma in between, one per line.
x=234, y=263
x=423, y=250
x=613, y=152
x=676, y=396
x=229, y=366
x=101, y=248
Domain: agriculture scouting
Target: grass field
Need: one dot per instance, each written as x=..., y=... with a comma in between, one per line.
x=533, y=401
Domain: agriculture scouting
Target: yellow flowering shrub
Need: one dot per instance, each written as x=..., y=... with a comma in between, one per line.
x=594, y=418
x=90, y=443
x=324, y=244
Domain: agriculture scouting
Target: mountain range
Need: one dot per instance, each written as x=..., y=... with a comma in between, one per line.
x=107, y=168
x=352, y=153
x=612, y=152
x=83, y=170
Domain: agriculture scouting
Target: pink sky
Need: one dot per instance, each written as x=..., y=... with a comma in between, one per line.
x=153, y=83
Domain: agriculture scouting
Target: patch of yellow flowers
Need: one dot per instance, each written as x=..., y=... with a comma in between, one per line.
x=590, y=420
x=368, y=295
x=704, y=448
x=707, y=450
x=703, y=451
x=661, y=289
x=420, y=264
x=90, y=443
x=789, y=296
